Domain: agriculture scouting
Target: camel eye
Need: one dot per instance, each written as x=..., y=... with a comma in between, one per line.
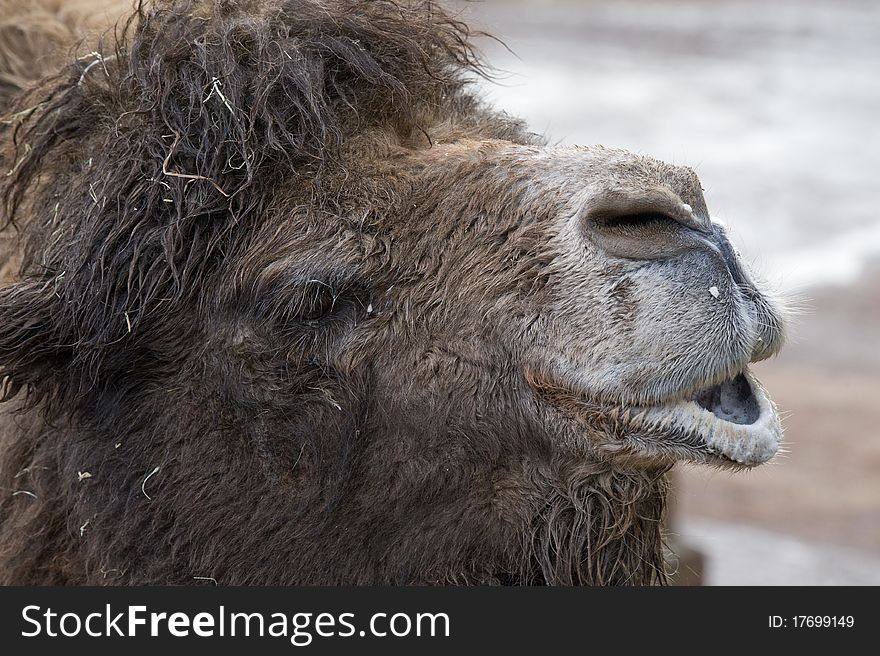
x=318, y=300
x=288, y=304
x=325, y=302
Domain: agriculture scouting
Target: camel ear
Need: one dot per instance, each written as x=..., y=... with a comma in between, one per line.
x=29, y=347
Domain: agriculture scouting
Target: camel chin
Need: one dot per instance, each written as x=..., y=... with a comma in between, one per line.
x=733, y=423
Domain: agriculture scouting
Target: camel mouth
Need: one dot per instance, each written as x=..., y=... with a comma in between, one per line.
x=733, y=422
x=732, y=400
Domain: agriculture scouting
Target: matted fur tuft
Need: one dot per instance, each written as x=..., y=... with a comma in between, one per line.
x=150, y=156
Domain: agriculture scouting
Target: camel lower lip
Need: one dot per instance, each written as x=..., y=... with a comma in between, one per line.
x=735, y=420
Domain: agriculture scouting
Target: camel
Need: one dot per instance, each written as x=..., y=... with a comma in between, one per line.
x=295, y=306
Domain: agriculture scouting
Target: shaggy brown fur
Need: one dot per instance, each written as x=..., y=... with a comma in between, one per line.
x=272, y=248
x=37, y=37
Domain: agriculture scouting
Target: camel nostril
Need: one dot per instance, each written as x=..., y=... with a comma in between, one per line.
x=639, y=235
x=643, y=207
x=642, y=223
x=636, y=221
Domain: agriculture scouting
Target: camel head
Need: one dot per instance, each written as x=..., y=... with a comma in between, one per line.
x=585, y=291
x=578, y=298
x=285, y=275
